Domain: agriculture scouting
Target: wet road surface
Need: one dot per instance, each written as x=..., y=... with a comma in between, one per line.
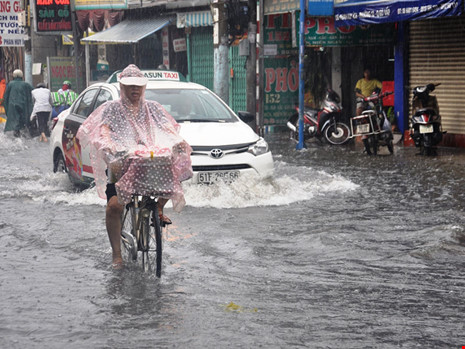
x=337, y=250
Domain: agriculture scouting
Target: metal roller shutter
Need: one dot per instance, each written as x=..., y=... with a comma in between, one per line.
x=237, y=82
x=437, y=55
x=202, y=56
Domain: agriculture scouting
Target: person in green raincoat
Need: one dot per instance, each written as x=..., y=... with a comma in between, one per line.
x=18, y=103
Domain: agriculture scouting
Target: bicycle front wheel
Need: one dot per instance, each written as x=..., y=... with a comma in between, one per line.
x=151, y=243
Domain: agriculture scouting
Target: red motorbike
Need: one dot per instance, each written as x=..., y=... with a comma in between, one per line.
x=324, y=123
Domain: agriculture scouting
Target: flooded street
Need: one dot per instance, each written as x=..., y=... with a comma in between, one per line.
x=336, y=250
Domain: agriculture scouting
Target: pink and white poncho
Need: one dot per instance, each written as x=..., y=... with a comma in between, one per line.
x=141, y=148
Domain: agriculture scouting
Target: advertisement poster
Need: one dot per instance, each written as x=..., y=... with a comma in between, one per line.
x=11, y=34
x=52, y=16
x=59, y=70
x=281, y=71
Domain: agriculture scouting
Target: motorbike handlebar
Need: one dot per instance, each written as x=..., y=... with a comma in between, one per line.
x=375, y=97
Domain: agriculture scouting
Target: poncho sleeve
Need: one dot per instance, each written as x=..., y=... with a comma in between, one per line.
x=94, y=135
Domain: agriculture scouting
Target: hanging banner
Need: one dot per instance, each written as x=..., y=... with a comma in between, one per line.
x=281, y=70
x=322, y=32
x=52, y=17
x=11, y=34
x=320, y=8
x=356, y=12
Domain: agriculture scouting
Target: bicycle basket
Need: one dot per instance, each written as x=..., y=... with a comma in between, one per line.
x=145, y=175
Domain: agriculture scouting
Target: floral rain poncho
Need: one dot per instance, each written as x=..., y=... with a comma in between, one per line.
x=140, y=147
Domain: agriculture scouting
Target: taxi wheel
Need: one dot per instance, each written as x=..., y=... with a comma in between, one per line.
x=60, y=164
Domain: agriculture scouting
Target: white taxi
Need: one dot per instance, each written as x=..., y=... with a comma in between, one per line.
x=224, y=146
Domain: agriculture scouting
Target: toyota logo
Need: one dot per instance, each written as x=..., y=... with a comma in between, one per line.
x=216, y=153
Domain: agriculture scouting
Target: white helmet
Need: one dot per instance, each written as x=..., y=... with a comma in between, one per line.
x=17, y=74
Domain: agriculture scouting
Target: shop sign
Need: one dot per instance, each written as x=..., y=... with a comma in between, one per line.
x=52, y=16
x=179, y=45
x=59, y=70
x=280, y=6
x=11, y=34
x=322, y=31
x=320, y=7
x=281, y=90
x=281, y=85
x=355, y=12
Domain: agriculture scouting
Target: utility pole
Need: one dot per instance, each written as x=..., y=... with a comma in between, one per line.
x=261, y=69
x=251, y=69
x=220, y=50
x=76, y=44
x=27, y=48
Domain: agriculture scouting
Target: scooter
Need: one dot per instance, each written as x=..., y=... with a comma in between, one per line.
x=373, y=125
x=322, y=123
x=425, y=124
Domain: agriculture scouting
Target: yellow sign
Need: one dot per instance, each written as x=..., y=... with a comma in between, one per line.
x=68, y=39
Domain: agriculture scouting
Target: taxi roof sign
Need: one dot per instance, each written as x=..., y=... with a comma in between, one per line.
x=152, y=75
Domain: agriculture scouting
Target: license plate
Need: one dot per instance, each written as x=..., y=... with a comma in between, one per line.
x=223, y=176
x=365, y=128
x=426, y=128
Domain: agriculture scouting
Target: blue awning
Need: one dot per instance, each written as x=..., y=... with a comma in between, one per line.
x=194, y=19
x=129, y=31
x=359, y=12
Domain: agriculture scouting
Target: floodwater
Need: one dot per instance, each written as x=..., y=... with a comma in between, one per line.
x=337, y=250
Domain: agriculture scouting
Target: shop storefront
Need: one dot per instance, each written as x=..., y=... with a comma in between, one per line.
x=198, y=27
x=427, y=49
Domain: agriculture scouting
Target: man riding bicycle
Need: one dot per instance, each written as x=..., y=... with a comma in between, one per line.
x=125, y=127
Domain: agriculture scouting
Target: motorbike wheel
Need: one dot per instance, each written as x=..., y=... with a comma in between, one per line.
x=337, y=134
x=427, y=145
x=390, y=146
x=371, y=145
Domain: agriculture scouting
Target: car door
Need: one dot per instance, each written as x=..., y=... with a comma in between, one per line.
x=79, y=170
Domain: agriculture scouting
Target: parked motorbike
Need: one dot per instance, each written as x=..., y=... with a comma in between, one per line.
x=322, y=123
x=425, y=124
x=373, y=125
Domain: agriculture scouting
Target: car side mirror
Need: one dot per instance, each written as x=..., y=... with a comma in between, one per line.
x=246, y=116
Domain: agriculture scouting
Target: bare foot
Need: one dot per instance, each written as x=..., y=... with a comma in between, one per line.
x=117, y=263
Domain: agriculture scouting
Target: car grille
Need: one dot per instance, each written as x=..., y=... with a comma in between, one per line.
x=227, y=149
x=220, y=167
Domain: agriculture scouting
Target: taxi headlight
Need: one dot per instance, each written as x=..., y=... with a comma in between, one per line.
x=259, y=148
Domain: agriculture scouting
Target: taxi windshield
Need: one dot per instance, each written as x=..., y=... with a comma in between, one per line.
x=188, y=105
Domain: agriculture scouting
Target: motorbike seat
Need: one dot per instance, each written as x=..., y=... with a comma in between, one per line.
x=311, y=111
x=425, y=111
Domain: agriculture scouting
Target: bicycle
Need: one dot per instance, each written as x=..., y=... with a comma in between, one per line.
x=141, y=231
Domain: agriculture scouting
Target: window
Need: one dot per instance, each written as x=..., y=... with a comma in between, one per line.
x=103, y=96
x=83, y=106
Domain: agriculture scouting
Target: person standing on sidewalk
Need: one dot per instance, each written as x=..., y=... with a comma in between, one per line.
x=42, y=108
x=18, y=103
